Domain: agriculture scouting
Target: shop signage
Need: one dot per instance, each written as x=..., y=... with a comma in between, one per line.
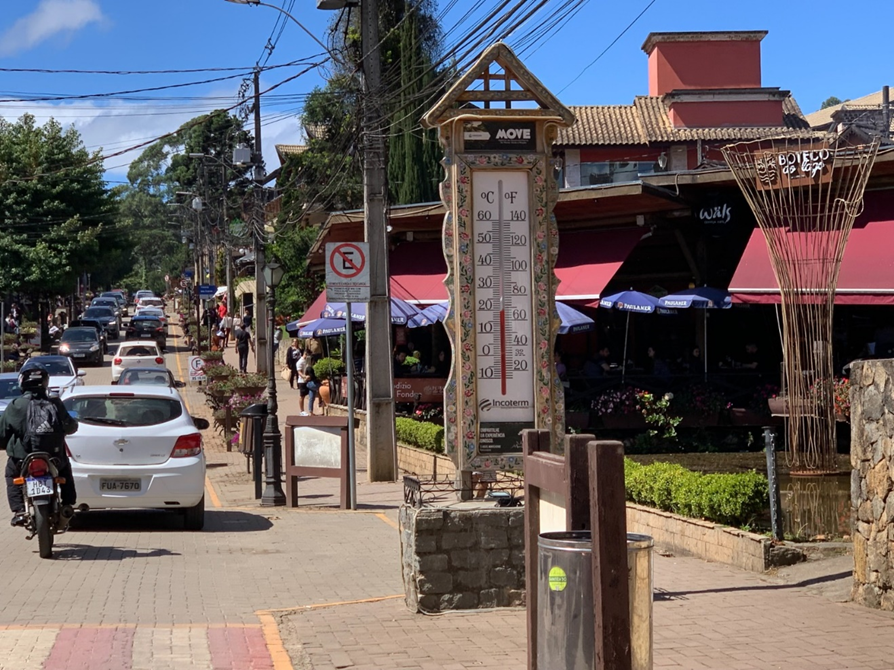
x=485, y=135
x=419, y=389
x=715, y=214
x=787, y=168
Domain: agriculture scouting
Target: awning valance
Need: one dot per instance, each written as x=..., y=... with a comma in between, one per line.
x=867, y=268
x=589, y=259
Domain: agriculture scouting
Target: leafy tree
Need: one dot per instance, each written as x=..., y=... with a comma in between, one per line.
x=56, y=215
x=831, y=101
x=299, y=287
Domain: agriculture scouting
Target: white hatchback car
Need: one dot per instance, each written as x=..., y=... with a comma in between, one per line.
x=137, y=449
x=136, y=354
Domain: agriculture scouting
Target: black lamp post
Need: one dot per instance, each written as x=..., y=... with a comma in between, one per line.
x=273, y=493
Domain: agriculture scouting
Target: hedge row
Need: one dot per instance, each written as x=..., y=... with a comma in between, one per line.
x=422, y=434
x=732, y=499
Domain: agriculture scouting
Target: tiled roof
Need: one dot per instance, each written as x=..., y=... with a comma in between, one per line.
x=823, y=117
x=286, y=150
x=646, y=121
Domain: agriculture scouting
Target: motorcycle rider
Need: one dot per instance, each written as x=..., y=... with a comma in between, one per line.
x=13, y=424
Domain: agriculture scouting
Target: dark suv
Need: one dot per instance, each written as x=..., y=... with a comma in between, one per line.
x=81, y=345
x=146, y=327
x=107, y=316
x=97, y=325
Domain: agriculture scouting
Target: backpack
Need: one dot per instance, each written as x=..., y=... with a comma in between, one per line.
x=43, y=428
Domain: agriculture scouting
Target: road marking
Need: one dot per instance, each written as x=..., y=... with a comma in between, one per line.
x=209, y=487
x=276, y=649
x=387, y=520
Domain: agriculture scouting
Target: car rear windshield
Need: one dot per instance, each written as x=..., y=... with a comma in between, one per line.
x=9, y=388
x=105, y=302
x=146, y=323
x=79, y=335
x=152, y=377
x=124, y=410
x=58, y=368
x=99, y=312
x=137, y=350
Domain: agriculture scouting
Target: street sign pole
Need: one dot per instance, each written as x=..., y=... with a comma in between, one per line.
x=352, y=454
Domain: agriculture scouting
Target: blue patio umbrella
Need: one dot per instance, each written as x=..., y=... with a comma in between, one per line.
x=401, y=311
x=429, y=315
x=322, y=328
x=572, y=320
x=632, y=301
x=701, y=297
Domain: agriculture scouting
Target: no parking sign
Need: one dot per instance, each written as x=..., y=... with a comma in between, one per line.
x=196, y=369
x=347, y=272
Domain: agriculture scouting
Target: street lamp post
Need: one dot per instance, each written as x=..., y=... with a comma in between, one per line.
x=273, y=494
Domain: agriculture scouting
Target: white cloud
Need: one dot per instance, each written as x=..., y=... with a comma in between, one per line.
x=50, y=18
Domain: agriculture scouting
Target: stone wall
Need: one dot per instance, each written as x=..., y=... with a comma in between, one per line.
x=872, y=502
x=456, y=559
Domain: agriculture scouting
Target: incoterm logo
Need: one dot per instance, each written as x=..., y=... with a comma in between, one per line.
x=487, y=404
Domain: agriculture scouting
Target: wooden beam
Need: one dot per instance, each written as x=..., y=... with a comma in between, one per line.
x=577, y=484
x=534, y=442
x=498, y=96
x=546, y=471
x=611, y=596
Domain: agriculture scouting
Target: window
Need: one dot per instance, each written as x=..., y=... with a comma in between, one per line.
x=124, y=411
x=615, y=172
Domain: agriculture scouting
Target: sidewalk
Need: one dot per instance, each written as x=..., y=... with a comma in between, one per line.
x=705, y=615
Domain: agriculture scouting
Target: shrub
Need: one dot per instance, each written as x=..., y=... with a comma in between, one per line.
x=422, y=434
x=733, y=499
x=326, y=367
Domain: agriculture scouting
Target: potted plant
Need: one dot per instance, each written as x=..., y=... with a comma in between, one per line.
x=701, y=405
x=841, y=397
x=249, y=383
x=324, y=369
x=211, y=356
x=220, y=371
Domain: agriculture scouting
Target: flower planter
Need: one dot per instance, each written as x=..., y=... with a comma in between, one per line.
x=249, y=390
x=699, y=419
x=739, y=416
x=325, y=394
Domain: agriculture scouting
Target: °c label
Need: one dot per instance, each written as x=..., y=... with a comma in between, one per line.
x=558, y=580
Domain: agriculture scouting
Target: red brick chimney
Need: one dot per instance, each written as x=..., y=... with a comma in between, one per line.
x=712, y=79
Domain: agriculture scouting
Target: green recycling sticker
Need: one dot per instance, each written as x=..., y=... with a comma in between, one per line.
x=558, y=580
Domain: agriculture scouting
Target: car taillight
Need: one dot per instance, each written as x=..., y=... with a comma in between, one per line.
x=38, y=467
x=159, y=330
x=187, y=445
x=117, y=361
x=159, y=360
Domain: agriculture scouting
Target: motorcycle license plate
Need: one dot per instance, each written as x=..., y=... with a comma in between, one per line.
x=119, y=485
x=39, y=486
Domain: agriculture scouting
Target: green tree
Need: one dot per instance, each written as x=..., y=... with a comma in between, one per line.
x=56, y=215
x=831, y=101
x=299, y=287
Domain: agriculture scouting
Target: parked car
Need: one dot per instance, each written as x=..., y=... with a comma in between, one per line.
x=137, y=449
x=136, y=354
x=150, y=376
x=156, y=313
x=97, y=325
x=9, y=389
x=81, y=344
x=63, y=374
x=106, y=316
x=144, y=326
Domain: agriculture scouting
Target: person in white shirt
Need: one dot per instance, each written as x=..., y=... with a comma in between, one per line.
x=301, y=368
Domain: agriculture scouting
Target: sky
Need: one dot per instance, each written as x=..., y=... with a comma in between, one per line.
x=814, y=52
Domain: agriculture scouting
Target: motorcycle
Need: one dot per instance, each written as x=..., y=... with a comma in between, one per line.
x=45, y=515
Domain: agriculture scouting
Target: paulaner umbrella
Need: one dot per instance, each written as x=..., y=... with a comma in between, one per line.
x=632, y=301
x=702, y=297
x=401, y=311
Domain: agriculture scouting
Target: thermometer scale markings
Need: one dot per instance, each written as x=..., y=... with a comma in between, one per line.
x=503, y=294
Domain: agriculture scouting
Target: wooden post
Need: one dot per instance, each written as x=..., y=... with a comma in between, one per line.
x=611, y=597
x=577, y=486
x=533, y=441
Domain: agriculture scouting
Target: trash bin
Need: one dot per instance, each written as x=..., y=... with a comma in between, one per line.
x=565, y=630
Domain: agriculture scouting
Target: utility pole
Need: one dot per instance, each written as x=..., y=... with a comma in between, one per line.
x=380, y=438
x=260, y=304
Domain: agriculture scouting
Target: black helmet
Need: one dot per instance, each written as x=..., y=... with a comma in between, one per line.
x=34, y=379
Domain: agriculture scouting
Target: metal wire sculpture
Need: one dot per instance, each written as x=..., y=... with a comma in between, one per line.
x=805, y=192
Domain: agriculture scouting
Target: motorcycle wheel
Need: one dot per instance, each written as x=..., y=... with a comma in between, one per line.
x=44, y=531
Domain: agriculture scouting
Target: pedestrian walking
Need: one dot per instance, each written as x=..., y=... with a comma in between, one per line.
x=313, y=388
x=226, y=325
x=301, y=369
x=246, y=320
x=293, y=353
x=244, y=342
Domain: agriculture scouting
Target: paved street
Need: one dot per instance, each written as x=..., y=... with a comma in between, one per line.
x=318, y=589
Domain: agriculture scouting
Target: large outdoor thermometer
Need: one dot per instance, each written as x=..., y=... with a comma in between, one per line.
x=502, y=298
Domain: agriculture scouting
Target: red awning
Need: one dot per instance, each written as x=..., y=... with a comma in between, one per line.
x=313, y=312
x=417, y=272
x=589, y=259
x=867, y=269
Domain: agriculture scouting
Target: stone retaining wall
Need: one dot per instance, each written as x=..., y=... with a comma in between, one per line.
x=872, y=460
x=454, y=559
x=708, y=540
